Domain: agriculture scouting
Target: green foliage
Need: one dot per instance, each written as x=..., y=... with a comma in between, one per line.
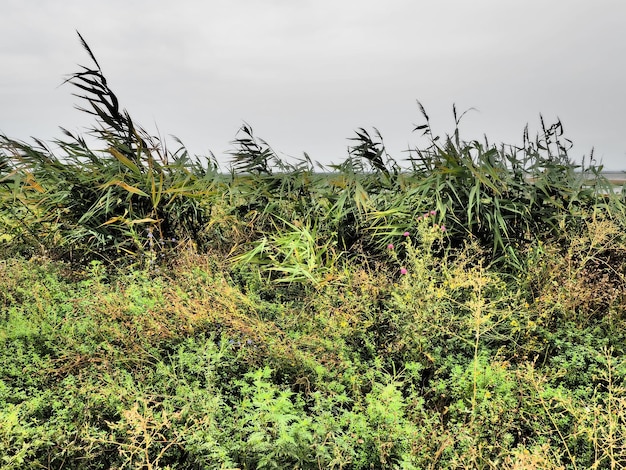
x=445, y=366
x=131, y=197
x=467, y=312
x=135, y=199
x=507, y=196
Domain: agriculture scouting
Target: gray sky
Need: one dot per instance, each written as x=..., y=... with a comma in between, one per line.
x=305, y=74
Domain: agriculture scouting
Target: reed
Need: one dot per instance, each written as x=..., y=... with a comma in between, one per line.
x=462, y=308
x=129, y=197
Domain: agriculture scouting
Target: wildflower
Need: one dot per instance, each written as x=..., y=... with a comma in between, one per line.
x=403, y=270
x=390, y=246
x=443, y=228
x=433, y=212
x=406, y=234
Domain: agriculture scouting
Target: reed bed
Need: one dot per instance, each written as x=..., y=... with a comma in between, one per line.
x=461, y=308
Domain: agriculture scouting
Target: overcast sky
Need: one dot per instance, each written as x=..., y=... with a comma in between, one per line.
x=305, y=74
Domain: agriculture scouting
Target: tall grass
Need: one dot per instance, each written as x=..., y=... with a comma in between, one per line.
x=129, y=197
x=461, y=309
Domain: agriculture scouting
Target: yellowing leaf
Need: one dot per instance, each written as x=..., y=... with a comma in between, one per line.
x=112, y=220
x=147, y=220
x=31, y=183
x=123, y=159
x=126, y=186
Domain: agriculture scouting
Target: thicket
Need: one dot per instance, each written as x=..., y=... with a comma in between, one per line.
x=463, y=308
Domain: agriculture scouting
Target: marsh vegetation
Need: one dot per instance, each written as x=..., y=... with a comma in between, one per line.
x=460, y=308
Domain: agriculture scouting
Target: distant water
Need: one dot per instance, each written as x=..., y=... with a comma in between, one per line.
x=615, y=177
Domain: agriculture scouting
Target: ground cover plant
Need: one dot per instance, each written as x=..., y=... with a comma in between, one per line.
x=463, y=308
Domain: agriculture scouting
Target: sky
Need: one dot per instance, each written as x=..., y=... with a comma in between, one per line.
x=305, y=74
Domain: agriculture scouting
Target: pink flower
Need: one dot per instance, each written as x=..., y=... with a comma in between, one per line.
x=403, y=270
x=390, y=246
x=433, y=212
x=443, y=228
x=406, y=234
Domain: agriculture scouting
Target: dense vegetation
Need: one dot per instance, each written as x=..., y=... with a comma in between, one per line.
x=463, y=308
